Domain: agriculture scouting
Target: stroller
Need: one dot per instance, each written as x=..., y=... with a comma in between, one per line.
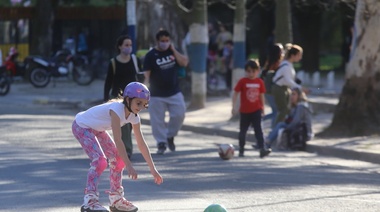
x=294, y=139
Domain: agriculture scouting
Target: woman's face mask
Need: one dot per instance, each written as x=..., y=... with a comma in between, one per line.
x=126, y=50
x=163, y=45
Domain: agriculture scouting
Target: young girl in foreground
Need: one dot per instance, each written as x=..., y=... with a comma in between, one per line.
x=89, y=128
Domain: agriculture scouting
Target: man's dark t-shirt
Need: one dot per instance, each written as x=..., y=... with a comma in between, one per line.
x=163, y=69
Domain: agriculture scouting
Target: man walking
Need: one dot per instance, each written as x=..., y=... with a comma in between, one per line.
x=161, y=65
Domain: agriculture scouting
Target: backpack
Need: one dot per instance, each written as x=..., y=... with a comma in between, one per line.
x=267, y=76
x=139, y=74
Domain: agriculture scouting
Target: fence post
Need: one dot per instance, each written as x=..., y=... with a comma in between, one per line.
x=316, y=79
x=1, y=58
x=330, y=79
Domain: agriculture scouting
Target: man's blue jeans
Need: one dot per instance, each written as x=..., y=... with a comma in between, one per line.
x=274, y=133
x=270, y=100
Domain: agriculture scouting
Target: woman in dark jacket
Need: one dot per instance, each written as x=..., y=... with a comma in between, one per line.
x=122, y=71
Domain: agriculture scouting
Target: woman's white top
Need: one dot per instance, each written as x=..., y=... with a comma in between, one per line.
x=99, y=117
x=288, y=75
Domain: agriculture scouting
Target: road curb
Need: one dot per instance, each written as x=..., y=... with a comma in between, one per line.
x=343, y=153
x=322, y=107
x=311, y=148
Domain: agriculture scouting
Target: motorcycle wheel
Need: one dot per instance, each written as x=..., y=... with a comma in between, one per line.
x=82, y=75
x=39, y=77
x=5, y=86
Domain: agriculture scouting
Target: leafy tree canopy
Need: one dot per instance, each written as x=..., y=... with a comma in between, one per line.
x=95, y=3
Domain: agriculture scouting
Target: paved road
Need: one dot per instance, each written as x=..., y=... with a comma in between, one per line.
x=43, y=168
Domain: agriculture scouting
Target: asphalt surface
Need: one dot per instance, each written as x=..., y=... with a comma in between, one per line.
x=214, y=119
x=43, y=168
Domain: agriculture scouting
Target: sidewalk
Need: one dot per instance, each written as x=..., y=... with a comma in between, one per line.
x=214, y=119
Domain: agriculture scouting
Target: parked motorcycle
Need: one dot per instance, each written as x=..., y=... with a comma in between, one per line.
x=12, y=66
x=62, y=64
x=5, y=81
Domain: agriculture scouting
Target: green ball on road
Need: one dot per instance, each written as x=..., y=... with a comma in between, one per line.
x=215, y=208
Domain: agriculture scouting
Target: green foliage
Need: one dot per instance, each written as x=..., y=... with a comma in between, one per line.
x=94, y=3
x=331, y=31
x=330, y=62
x=327, y=62
x=253, y=55
x=65, y=3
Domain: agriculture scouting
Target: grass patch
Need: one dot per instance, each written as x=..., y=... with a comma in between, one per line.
x=253, y=56
x=330, y=62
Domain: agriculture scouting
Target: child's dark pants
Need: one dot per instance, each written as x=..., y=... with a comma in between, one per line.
x=254, y=119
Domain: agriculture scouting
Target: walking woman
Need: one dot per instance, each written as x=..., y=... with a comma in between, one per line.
x=284, y=80
x=275, y=56
x=122, y=71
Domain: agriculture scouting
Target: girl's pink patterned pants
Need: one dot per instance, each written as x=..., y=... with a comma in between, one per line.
x=99, y=147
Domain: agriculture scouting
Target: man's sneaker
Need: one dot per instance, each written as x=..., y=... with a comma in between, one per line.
x=119, y=204
x=241, y=152
x=267, y=144
x=171, y=144
x=264, y=152
x=255, y=146
x=91, y=204
x=161, y=147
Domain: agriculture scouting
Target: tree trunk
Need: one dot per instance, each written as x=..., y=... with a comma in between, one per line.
x=198, y=54
x=358, y=111
x=283, y=27
x=309, y=25
x=239, y=58
x=42, y=28
x=266, y=32
x=153, y=15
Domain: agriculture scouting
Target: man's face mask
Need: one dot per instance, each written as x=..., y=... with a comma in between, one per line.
x=163, y=45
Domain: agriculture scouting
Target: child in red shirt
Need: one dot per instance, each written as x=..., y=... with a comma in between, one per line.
x=251, y=89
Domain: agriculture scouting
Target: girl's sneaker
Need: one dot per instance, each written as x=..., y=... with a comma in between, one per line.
x=119, y=204
x=91, y=204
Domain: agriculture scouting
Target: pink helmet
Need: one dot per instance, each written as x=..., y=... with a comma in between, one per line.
x=136, y=90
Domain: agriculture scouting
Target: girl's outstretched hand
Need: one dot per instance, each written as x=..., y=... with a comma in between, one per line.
x=131, y=172
x=157, y=177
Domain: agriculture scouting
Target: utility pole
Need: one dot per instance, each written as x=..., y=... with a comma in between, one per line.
x=131, y=21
